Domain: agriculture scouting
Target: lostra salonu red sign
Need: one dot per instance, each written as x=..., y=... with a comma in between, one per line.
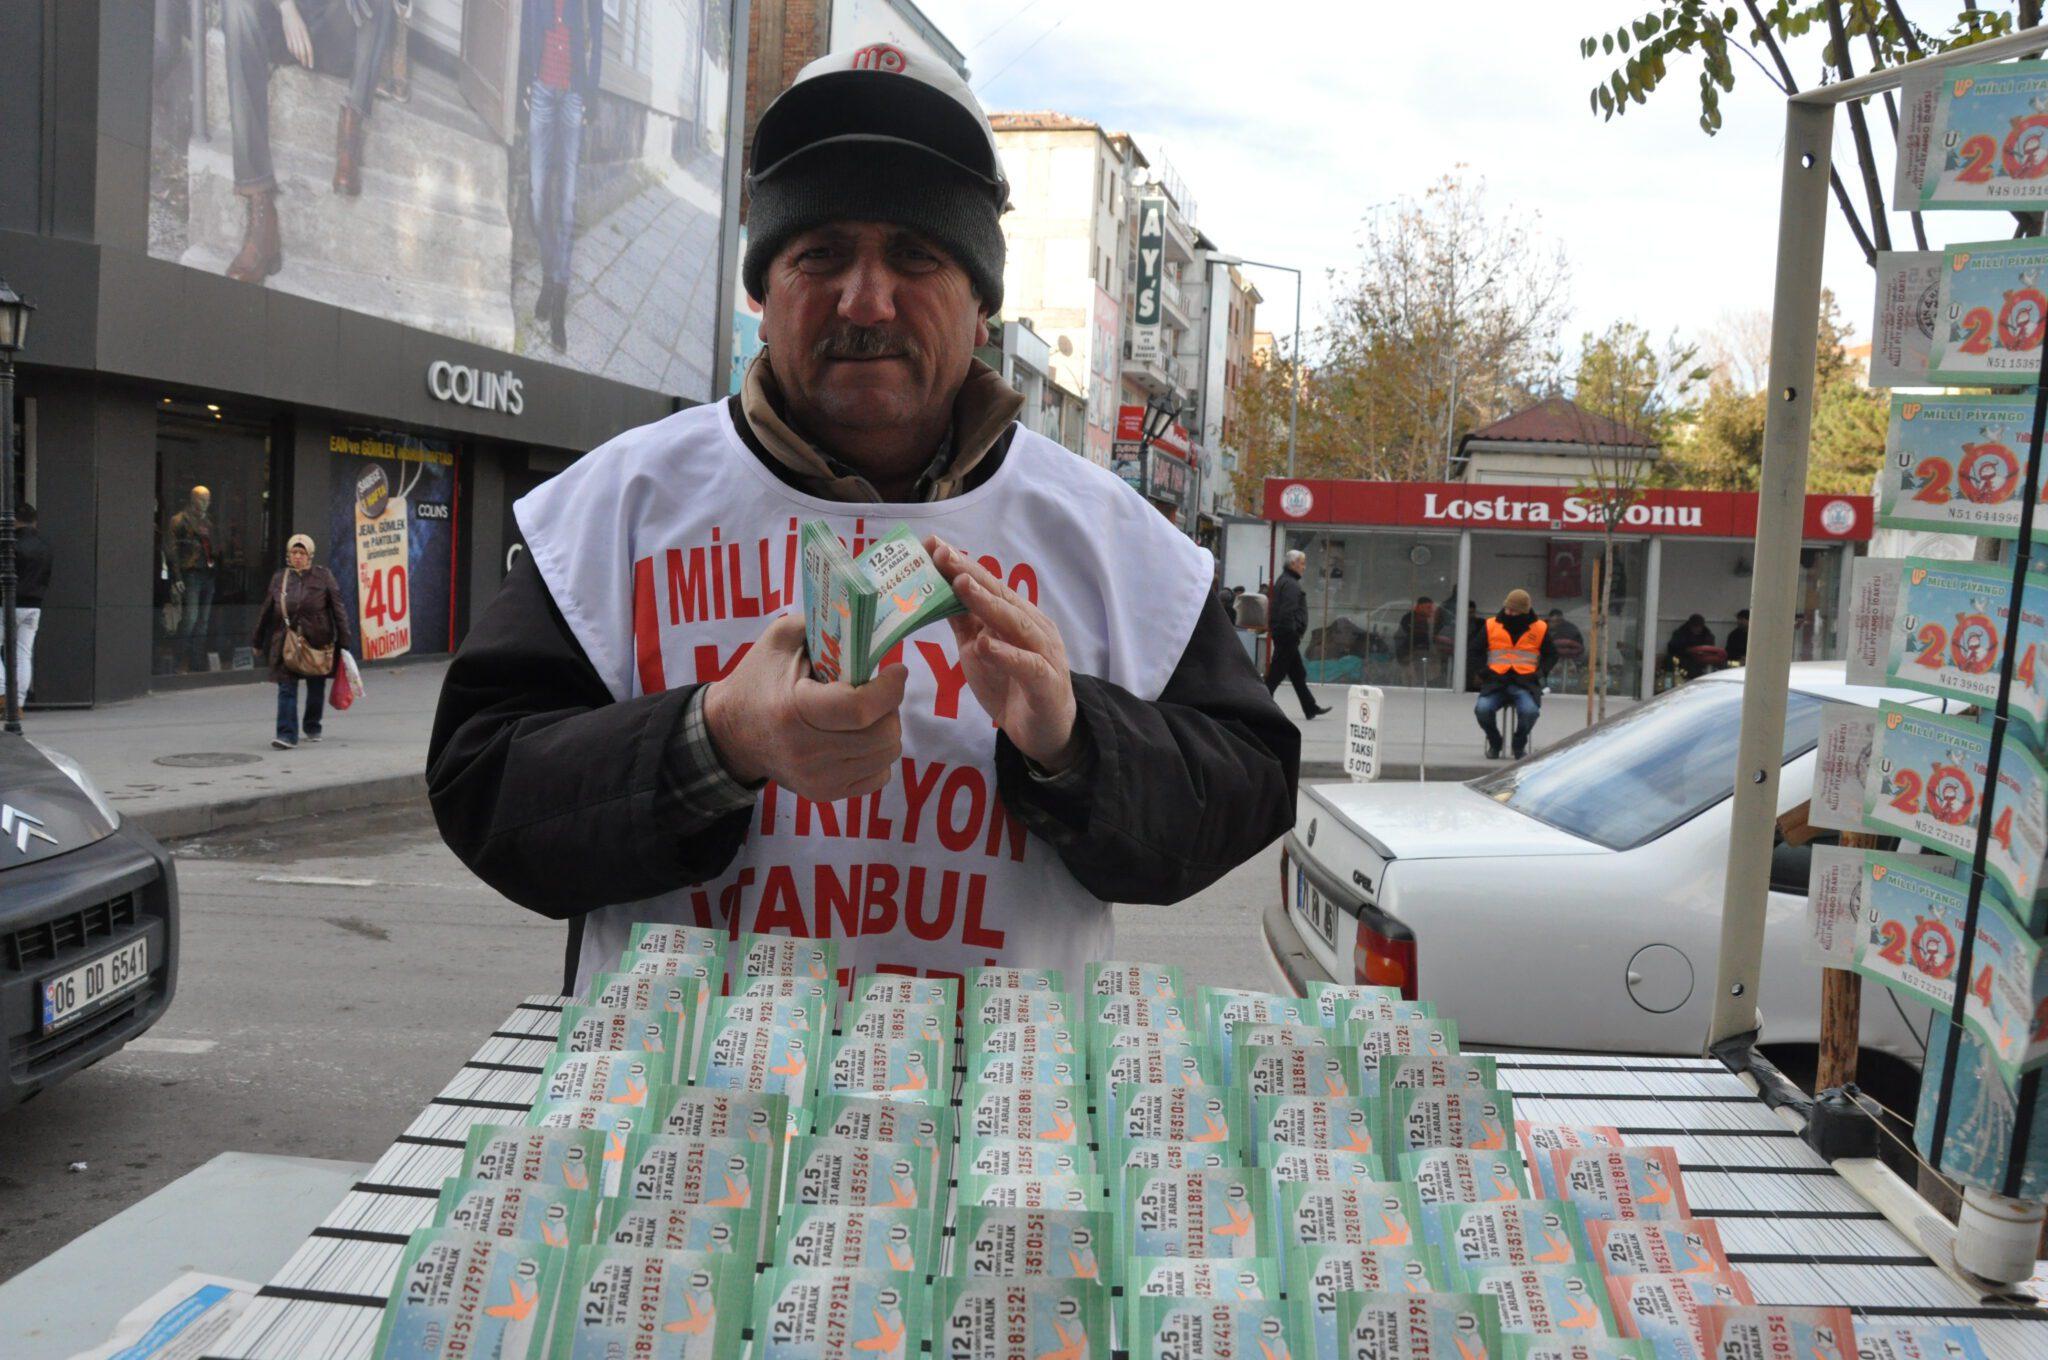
x=1548, y=509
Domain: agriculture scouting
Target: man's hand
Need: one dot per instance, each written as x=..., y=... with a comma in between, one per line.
x=770, y=720
x=1014, y=659
x=297, y=40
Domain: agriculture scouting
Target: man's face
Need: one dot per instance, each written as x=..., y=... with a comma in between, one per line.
x=869, y=326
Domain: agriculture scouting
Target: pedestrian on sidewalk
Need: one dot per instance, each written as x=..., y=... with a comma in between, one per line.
x=304, y=600
x=1090, y=716
x=1518, y=650
x=1286, y=625
x=31, y=580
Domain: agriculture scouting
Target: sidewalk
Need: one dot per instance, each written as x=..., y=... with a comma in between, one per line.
x=1448, y=746
x=190, y=761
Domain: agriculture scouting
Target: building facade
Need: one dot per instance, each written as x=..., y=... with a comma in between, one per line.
x=380, y=371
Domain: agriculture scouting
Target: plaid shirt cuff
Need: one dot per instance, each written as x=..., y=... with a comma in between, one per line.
x=1072, y=780
x=705, y=790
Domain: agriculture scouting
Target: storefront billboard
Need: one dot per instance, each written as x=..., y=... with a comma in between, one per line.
x=545, y=181
x=393, y=530
x=1548, y=509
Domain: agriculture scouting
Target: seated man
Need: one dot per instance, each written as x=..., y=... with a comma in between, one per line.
x=1692, y=648
x=1517, y=648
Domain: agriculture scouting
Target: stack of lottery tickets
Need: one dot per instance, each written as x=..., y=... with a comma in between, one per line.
x=731, y=1155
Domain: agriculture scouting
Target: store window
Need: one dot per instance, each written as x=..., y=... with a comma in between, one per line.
x=1382, y=606
x=216, y=543
x=1713, y=579
x=1560, y=576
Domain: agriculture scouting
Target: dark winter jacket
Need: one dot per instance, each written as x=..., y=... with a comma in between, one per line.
x=31, y=568
x=312, y=600
x=1289, y=615
x=566, y=800
x=1492, y=681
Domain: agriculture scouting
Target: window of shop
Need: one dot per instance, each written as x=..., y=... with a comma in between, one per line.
x=1712, y=578
x=216, y=542
x=1382, y=606
x=1559, y=574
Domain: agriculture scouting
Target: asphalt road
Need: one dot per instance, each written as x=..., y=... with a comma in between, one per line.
x=335, y=972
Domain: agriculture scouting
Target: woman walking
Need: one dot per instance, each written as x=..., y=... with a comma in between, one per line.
x=301, y=628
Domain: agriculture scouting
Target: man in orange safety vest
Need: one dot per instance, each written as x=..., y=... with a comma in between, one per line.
x=1518, y=651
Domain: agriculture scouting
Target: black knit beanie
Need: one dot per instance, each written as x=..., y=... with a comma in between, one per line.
x=877, y=182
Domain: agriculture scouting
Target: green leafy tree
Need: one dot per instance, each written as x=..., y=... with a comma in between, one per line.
x=1773, y=38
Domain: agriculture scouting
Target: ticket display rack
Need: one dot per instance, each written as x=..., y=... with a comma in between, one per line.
x=1981, y=1120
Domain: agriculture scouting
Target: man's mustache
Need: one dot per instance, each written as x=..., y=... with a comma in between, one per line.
x=868, y=342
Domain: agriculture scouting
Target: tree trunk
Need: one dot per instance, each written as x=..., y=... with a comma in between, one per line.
x=1606, y=608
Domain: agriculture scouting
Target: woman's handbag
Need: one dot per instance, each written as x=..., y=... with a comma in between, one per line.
x=301, y=657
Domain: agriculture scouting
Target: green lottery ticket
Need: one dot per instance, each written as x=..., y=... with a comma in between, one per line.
x=648, y=992
x=1016, y=980
x=901, y=989
x=461, y=1294
x=1118, y=1012
x=1955, y=465
x=1381, y=1039
x=1952, y=627
x=615, y=1123
x=1442, y=1116
x=1021, y=1318
x=1023, y=1069
x=1056, y=1040
x=604, y=1079
x=1333, y=1000
x=1319, y=1274
x=562, y=1158
x=704, y=1112
x=1992, y=315
x=857, y=608
x=990, y=1007
x=804, y=1014
x=885, y=1175
x=1384, y=1217
x=902, y=1069
x=1158, y=981
x=1023, y=1157
x=727, y=1173
x=1464, y=1070
x=1521, y=1232
x=1373, y=1009
x=1148, y=1069
x=1288, y=1166
x=1446, y=1175
x=663, y=1305
x=817, y=1313
x=1264, y=1070
x=660, y=937
x=1519, y=1346
x=1204, y=1214
x=998, y=1240
x=550, y=1215
x=1187, y=1277
x=1042, y=1114
x=1159, y=1154
x=756, y=955
x=859, y=1237
x=877, y=1119
x=1173, y=1114
x=1349, y=1124
x=899, y=1020
x=681, y=1227
x=1544, y=1298
x=1084, y=1191
x=1166, y=1327
x=662, y=1037
x=1404, y=1326
x=1226, y=1008
x=770, y=1059
x=785, y=984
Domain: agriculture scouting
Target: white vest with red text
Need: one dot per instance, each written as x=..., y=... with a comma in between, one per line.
x=670, y=548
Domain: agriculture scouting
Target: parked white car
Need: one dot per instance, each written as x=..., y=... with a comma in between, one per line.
x=1572, y=900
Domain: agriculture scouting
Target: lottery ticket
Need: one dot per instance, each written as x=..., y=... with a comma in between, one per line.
x=1021, y=1318
x=1521, y=1232
x=460, y=1294
x=1404, y=1326
x=1624, y=1182
x=551, y=1215
x=661, y=1305
x=820, y=1313
x=1992, y=314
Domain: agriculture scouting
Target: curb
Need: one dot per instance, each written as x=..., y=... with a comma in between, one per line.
x=197, y=819
x=1448, y=772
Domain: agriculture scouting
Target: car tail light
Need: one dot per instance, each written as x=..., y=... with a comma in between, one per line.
x=1385, y=954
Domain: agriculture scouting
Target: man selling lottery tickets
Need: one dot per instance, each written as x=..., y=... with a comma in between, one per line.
x=635, y=730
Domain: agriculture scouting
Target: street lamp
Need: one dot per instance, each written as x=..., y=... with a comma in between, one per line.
x=1294, y=376
x=14, y=314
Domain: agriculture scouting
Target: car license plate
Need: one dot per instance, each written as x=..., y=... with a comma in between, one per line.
x=1315, y=909
x=92, y=984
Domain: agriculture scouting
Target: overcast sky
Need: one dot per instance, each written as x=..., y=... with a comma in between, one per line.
x=1289, y=119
